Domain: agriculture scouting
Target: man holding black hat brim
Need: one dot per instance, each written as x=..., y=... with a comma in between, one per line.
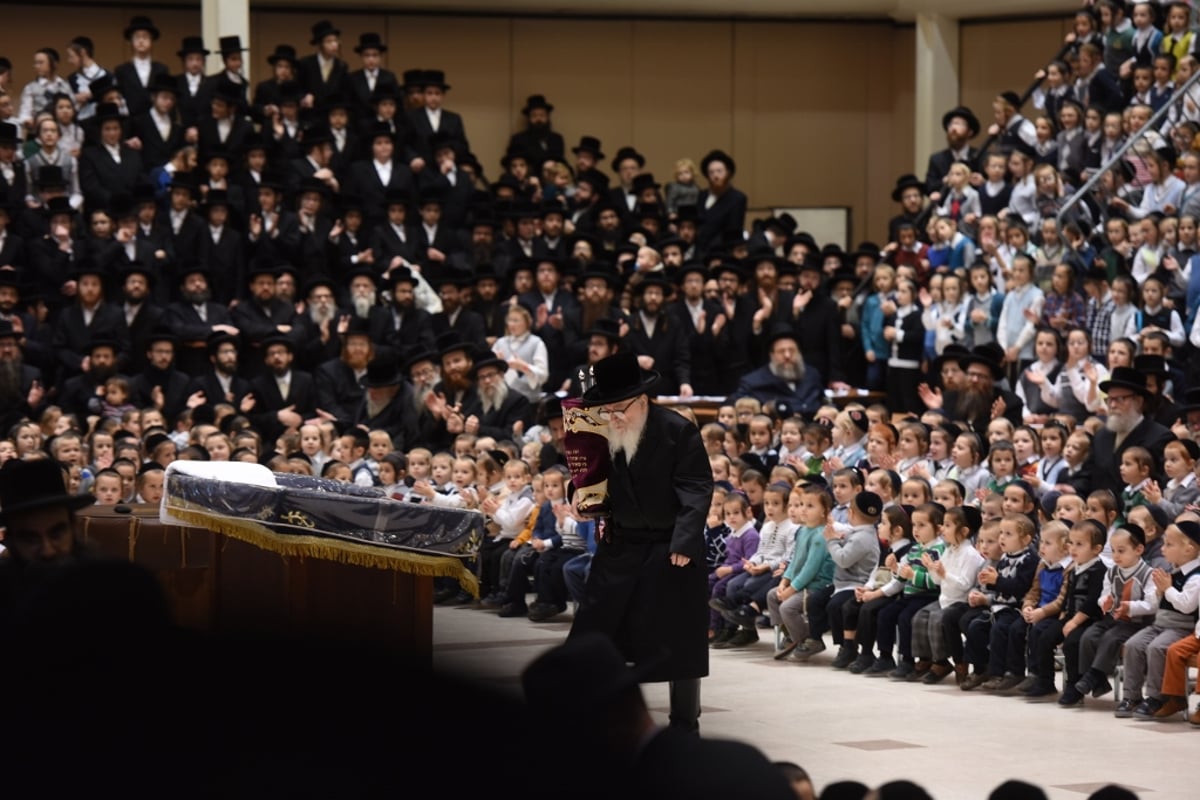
x=538, y=138
x=1125, y=426
x=134, y=76
x=960, y=126
x=659, y=487
x=361, y=82
x=322, y=73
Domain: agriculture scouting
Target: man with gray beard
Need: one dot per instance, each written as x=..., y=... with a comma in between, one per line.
x=320, y=327
x=387, y=405
x=364, y=294
x=784, y=380
x=21, y=388
x=647, y=588
x=1125, y=426
x=499, y=413
x=423, y=370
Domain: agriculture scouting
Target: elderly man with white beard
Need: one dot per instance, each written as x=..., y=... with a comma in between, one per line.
x=785, y=380
x=320, y=327
x=647, y=587
x=362, y=291
x=499, y=411
x=1125, y=426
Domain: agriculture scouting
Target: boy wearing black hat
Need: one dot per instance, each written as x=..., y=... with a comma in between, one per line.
x=46, y=83
x=108, y=167
x=134, y=76
x=81, y=53
x=323, y=72
x=189, y=84
x=362, y=82
x=433, y=118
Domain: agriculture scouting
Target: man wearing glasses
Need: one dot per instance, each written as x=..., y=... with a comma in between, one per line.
x=1125, y=426
x=647, y=587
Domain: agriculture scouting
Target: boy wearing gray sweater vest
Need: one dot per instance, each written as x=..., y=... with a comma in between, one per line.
x=855, y=554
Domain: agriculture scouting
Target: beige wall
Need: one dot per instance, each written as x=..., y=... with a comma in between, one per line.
x=764, y=91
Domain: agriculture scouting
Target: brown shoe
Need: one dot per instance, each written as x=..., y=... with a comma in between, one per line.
x=975, y=681
x=960, y=673
x=1194, y=718
x=1170, y=707
x=936, y=673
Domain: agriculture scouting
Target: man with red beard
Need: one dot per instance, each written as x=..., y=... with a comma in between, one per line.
x=647, y=588
x=340, y=380
x=1125, y=426
x=453, y=395
x=498, y=412
x=982, y=400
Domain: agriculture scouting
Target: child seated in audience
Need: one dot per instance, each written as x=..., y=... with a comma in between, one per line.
x=1128, y=602
x=1077, y=607
x=1028, y=449
x=999, y=430
x=954, y=572
x=107, y=487
x=809, y=570
x=392, y=472
x=915, y=492
x=886, y=484
x=740, y=545
x=948, y=493
x=912, y=451
x=745, y=595
x=791, y=449
x=754, y=484
x=996, y=646
x=1076, y=477
x=847, y=482
x=311, y=445
x=879, y=591
x=1102, y=507
x=1041, y=609
x=510, y=515
x=713, y=436
x=1070, y=508
x=1002, y=468
x=818, y=447
x=1145, y=654
x=917, y=590
x=1136, y=466
x=716, y=532
x=1181, y=490
x=1053, y=438
x=992, y=506
x=968, y=469
x=881, y=441
x=855, y=554
x=116, y=404
x=1153, y=521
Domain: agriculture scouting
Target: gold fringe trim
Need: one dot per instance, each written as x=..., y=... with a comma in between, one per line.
x=362, y=555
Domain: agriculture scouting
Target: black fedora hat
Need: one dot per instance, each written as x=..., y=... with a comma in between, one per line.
x=991, y=355
x=413, y=79
x=434, y=77
x=778, y=332
x=59, y=205
x=452, y=341
x=416, y=355
x=108, y=111
x=689, y=268
x=1151, y=365
x=952, y=352
x=490, y=360
x=600, y=270
x=626, y=153
x=370, y=41
x=215, y=198
x=536, y=101
x=356, y=326
x=192, y=44
x=589, y=144
x=727, y=267
x=163, y=83
x=322, y=29
x=138, y=267
x=141, y=24
x=162, y=333
x=381, y=373
x=721, y=156
x=618, y=377
x=966, y=115
x=230, y=45
x=1126, y=378
x=594, y=178
x=608, y=328
x=283, y=52
x=645, y=181
x=8, y=133
x=33, y=485
x=908, y=181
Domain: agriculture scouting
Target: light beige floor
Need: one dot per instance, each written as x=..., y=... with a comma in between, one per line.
x=837, y=725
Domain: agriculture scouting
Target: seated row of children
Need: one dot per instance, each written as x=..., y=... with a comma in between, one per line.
x=916, y=592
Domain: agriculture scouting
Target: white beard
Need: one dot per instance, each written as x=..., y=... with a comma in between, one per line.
x=363, y=305
x=1122, y=423
x=493, y=400
x=627, y=441
x=320, y=316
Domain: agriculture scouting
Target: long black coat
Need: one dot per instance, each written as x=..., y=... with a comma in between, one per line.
x=1105, y=456
x=634, y=594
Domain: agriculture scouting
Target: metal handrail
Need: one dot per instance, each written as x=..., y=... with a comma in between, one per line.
x=1028, y=93
x=1151, y=125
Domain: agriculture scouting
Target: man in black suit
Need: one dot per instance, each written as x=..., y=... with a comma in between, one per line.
x=431, y=119
x=436, y=242
x=387, y=404
x=394, y=243
x=817, y=322
x=195, y=318
x=497, y=410
x=322, y=73
x=555, y=315
x=538, y=139
x=133, y=77
x=219, y=382
x=88, y=318
x=454, y=316
x=21, y=385
x=401, y=326
x=659, y=487
x=659, y=340
x=315, y=164
x=727, y=213
x=13, y=177
x=108, y=167
x=142, y=313
x=961, y=126
x=158, y=128
x=262, y=317
x=83, y=394
x=785, y=379
x=283, y=397
x=274, y=232
x=222, y=249
x=225, y=128
x=185, y=227
x=318, y=330
x=361, y=83
x=340, y=380
x=704, y=323
x=379, y=176
x=445, y=180
x=230, y=48
x=159, y=384
x=1125, y=426
x=193, y=104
